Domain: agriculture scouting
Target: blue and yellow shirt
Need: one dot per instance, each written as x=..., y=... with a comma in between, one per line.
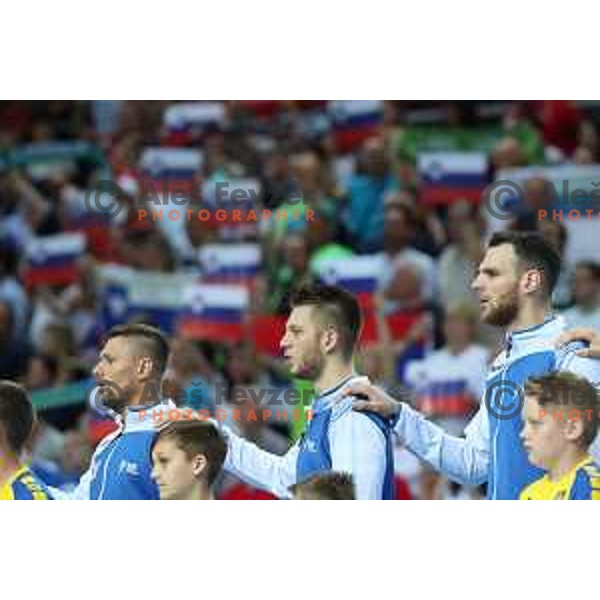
x=581, y=483
x=23, y=485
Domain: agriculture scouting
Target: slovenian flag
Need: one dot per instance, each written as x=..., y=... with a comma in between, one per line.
x=54, y=259
x=445, y=398
x=149, y=297
x=225, y=263
x=186, y=122
x=354, y=121
x=157, y=298
x=357, y=274
x=215, y=312
x=170, y=168
x=449, y=176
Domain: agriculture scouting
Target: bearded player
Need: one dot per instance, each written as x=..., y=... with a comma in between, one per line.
x=321, y=334
x=515, y=282
x=128, y=374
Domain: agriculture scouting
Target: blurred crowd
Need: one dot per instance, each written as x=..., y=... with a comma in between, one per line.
x=364, y=186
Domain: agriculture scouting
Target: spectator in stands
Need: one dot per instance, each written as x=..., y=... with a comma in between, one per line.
x=242, y=366
x=292, y=272
x=462, y=255
x=42, y=372
x=405, y=291
x=57, y=342
x=400, y=257
x=148, y=250
x=14, y=352
x=583, y=156
x=507, y=153
x=277, y=180
x=538, y=194
x=367, y=189
x=24, y=211
x=11, y=290
x=586, y=294
x=449, y=381
x=587, y=137
x=560, y=122
x=325, y=240
x=191, y=375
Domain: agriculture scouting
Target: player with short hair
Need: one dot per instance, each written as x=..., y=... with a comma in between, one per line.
x=320, y=337
x=515, y=281
x=17, y=419
x=187, y=457
x=561, y=422
x=325, y=486
x=128, y=375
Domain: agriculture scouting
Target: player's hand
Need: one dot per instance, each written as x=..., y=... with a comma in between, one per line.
x=372, y=398
x=581, y=334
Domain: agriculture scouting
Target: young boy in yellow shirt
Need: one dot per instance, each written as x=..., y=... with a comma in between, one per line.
x=17, y=418
x=560, y=423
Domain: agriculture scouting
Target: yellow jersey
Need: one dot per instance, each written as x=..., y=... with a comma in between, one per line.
x=582, y=482
x=24, y=485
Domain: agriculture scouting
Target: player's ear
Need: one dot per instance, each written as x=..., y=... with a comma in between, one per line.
x=199, y=464
x=531, y=281
x=573, y=429
x=144, y=367
x=330, y=339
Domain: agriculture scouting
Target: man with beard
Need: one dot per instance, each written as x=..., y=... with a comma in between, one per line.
x=128, y=374
x=514, y=281
x=319, y=341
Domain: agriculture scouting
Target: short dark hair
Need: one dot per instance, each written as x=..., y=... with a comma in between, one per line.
x=151, y=340
x=198, y=437
x=590, y=265
x=17, y=416
x=326, y=486
x=337, y=306
x=567, y=389
x=533, y=251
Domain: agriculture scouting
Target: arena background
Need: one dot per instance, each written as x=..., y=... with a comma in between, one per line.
x=94, y=231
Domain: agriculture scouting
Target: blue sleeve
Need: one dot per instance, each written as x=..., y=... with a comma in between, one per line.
x=149, y=488
x=582, y=487
x=21, y=491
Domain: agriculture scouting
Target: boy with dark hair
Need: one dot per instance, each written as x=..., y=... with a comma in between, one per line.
x=325, y=486
x=17, y=419
x=187, y=457
x=561, y=422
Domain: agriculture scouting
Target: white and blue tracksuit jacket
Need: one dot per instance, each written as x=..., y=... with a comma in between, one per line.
x=121, y=467
x=492, y=450
x=336, y=439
